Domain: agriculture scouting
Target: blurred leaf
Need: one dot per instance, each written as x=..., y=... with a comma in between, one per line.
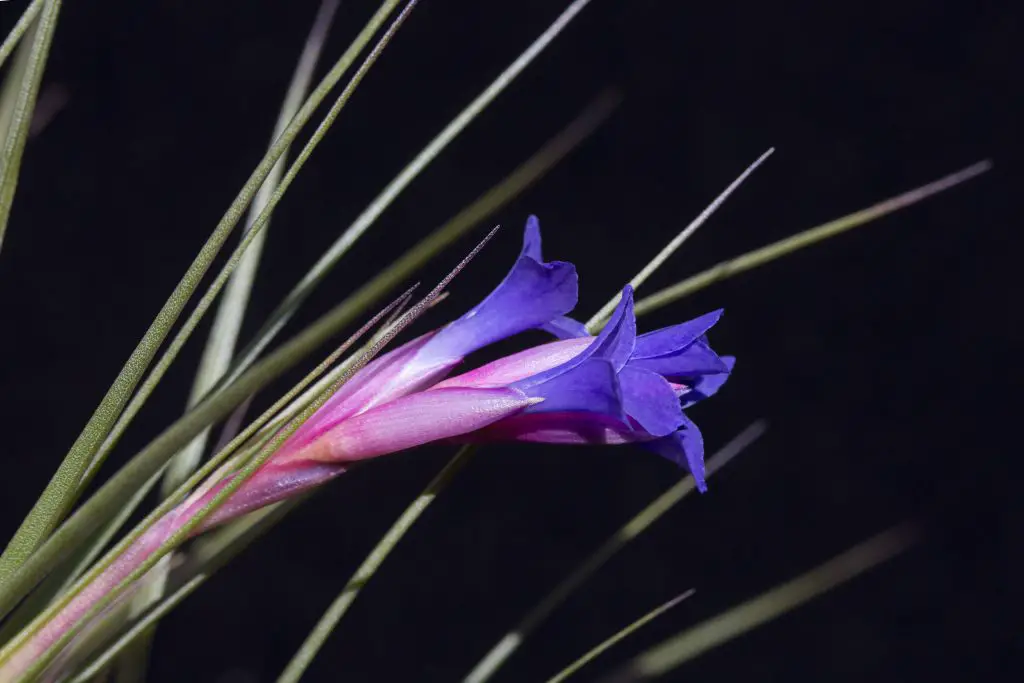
x=137, y=629
x=291, y=303
x=171, y=353
x=620, y=635
x=318, y=636
x=510, y=642
x=61, y=578
x=220, y=345
x=18, y=99
x=736, y=621
x=210, y=552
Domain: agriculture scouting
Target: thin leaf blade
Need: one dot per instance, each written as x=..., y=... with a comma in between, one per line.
x=734, y=622
x=801, y=240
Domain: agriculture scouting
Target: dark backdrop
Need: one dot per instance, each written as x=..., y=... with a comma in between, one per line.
x=870, y=355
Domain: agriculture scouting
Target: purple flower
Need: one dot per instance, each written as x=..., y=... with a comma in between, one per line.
x=653, y=377
x=611, y=389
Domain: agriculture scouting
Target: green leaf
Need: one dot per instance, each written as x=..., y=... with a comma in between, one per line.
x=301, y=291
x=227, y=322
x=210, y=552
x=18, y=99
x=20, y=28
x=61, y=578
x=511, y=641
x=736, y=621
x=255, y=230
x=138, y=629
x=109, y=499
x=213, y=549
x=318, y=636
x=220, y=345
x=64, y=487
x=578, y=130
x=592, y=654
x=265, y=451
x=767, y=254
x=652, y=266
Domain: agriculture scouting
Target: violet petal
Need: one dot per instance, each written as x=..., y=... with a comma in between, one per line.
x=695, y=360
x=670, y=340
x=650, y=400
x=707, y=385
x=685, y=448
x=533, y=293
x=564, y=327
x=590, y=387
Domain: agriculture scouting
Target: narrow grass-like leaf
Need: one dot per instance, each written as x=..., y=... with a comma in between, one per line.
x=94, y=636
x=769, y=253
x=64, y=576
x=171, y=353
x=227, y=321
x=318, y=636
x=592, y=654
x=594, y=323
x=328, y=378
x=137, y=629
x=109, y=499
x=20, y=28
x=266, y=450
x=65, y=484
x=210, y=552
x=18, y=99
x=499, y=654
x=287, y=308
x=776, y=602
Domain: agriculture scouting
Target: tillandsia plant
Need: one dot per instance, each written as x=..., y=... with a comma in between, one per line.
x=79, y=597
x=612, y=388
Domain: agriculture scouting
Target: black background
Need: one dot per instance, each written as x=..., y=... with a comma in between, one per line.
x=875, y=357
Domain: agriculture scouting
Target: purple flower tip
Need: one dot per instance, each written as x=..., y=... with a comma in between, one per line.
x=530, y=296
x=685, y=447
